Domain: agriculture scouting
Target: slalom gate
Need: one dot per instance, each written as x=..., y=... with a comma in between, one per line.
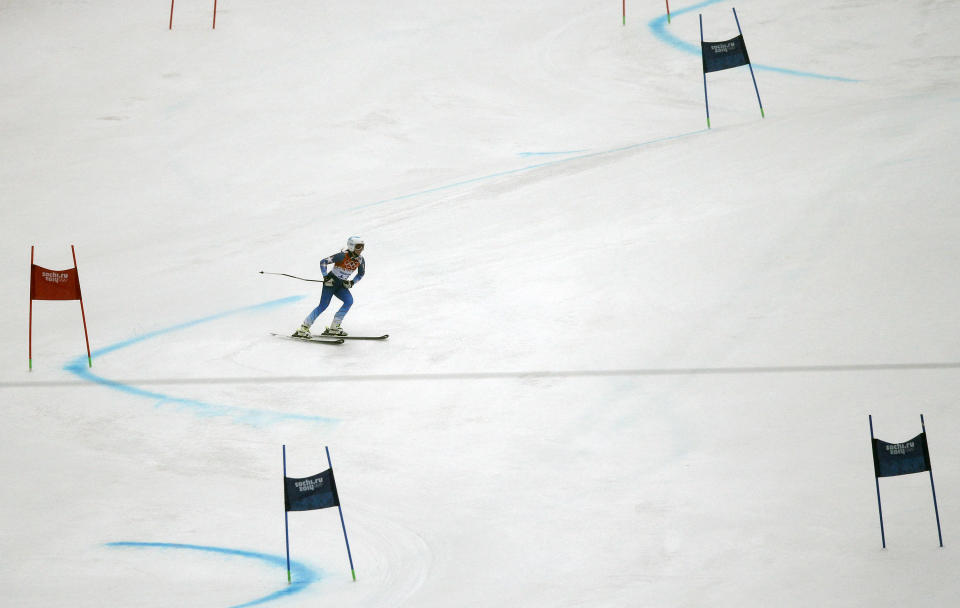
x=904, y=458
x=46, y=284
x=724, y=55
x=214, y=14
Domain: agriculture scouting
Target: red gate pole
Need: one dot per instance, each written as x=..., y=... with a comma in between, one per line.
x=82, y=314
x=171, y=14
x=214, y=14
x=30, y=324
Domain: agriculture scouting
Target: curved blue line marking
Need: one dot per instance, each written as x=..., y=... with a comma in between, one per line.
x=251, y=416
x=303, y=576
x=659, y=28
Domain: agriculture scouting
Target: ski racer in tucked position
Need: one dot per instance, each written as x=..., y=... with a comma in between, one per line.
x=337, y=283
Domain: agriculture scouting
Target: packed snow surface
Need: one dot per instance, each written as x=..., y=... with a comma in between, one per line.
x=631, y=359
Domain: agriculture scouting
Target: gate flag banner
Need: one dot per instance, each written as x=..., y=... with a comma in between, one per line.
x=724, y=55
x=308, y=493
x=46, y=284
x=891, y=459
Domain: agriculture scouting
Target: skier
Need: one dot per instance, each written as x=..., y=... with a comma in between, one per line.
x=337, y=283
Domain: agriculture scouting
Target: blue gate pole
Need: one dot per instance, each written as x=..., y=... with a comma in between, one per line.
x=706, y=102
x=286, y=527
x=343, y=525
x=883, y=538
x=935, y=510
x=749, y=65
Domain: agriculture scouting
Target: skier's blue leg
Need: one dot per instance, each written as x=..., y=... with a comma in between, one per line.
x=325, y=296
x=344, y=295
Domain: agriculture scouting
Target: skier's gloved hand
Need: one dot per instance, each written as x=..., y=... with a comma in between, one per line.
x=329, y=280
x=348, y=284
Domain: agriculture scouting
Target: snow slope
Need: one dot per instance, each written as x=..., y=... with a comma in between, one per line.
x=631, y=359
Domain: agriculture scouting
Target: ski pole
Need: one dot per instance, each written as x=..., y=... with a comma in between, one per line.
x=283, y=274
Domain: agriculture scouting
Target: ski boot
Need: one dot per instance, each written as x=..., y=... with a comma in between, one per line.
x=334, y=330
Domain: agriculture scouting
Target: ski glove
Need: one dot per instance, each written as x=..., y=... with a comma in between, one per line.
x=348, y=284
x=329, y=280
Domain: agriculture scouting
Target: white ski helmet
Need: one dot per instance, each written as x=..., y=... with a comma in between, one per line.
x=355, y=244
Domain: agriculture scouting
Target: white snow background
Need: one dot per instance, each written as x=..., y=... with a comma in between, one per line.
x=630, y=361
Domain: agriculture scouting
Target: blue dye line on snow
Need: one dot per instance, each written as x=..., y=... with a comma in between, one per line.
x=659, y=28
x=252, y=416
x=542, y=165
x=561, y=153
x=302, y=576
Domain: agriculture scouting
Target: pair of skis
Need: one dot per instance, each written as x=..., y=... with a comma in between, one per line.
x=322, y=339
